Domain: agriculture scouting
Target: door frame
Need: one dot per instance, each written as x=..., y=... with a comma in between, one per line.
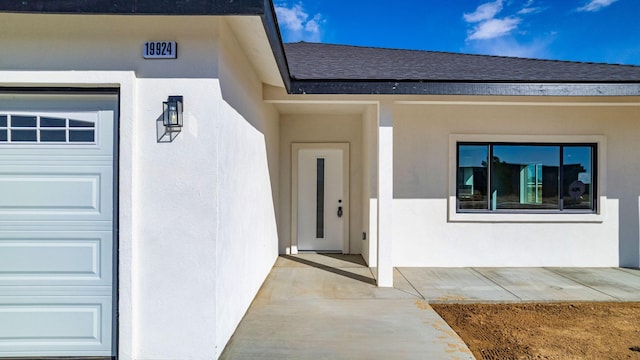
x=295, y=148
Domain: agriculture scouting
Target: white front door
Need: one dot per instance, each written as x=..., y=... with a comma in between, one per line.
x=322, y=197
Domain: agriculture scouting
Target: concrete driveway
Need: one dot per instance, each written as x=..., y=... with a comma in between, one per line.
x=326, y=306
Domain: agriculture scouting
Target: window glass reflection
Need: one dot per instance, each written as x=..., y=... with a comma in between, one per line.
x=320, y=198
x=81, y=136
x=80, y=123
x=472, y=177
x=53, y=136
x=24, y=135
x=525, y=177
x=577, y=182
x=52, y=122
x=23, y=121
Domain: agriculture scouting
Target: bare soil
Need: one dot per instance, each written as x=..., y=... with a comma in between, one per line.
x=547, y=331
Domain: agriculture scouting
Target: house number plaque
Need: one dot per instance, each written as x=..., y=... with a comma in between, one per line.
x=160, y=50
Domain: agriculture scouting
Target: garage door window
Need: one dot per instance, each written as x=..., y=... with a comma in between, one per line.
x=42, y=129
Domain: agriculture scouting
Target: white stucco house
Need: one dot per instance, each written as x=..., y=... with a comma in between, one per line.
x=124, y=238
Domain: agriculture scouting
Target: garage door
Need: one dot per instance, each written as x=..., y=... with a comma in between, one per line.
x=56, y=225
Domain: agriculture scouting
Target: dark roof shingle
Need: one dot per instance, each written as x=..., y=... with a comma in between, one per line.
x=314, y=61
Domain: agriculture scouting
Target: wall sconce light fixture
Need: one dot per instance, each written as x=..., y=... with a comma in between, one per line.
x=172, y=114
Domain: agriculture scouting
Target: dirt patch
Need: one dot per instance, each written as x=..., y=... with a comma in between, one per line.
x=547, y=331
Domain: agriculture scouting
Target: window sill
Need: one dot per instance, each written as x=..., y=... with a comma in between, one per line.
x=500, y=217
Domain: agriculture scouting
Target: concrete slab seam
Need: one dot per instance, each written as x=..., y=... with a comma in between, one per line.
x=632, y=271
x=409, y=282
x=583, y=284
x=373, y=276
x=495, y=282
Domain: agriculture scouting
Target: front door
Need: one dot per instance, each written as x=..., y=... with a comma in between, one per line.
x=322, y=197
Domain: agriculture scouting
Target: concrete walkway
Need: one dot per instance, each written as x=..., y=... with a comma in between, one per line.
x=324, y=306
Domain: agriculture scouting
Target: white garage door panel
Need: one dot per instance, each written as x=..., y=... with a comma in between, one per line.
x=46, y=192
x=56, y=258
x=56, y=225
x=55, y=193
x=53, y=325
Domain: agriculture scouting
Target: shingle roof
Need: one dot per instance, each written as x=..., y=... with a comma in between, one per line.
x=314, y=61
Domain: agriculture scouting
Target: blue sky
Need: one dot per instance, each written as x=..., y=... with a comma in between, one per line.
x=577, y=30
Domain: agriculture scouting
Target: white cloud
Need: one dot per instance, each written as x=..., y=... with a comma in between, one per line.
x=530, y=10
x=596, y=5
x=313, y=26
x=537, y=49
x=493, y=33
x=485, y=11
x=488, y=26
x=291, y=18
x=494, y=28
x=296, y=24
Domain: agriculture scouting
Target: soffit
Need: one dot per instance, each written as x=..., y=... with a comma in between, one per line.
x=253, y=40
x=321, y=108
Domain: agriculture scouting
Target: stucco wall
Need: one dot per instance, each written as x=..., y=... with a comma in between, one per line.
x=369, y=185
x=247, y=140
x=423, y=234
x=192, y=254
x=321, y=129
x=177, y=221
x=68, y=42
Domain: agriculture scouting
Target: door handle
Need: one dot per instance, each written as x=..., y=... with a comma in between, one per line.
x=339, y=211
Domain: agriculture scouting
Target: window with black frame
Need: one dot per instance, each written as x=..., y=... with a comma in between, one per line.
x=26, y=129
x=516, y=177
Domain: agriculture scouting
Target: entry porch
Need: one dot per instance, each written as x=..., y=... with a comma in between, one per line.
x=328, y=306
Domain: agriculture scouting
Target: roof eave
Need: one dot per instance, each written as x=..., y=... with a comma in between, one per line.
x=270, y=23
x=262, y=8
x=389, y=87
x=265, y=9
x=137, y=7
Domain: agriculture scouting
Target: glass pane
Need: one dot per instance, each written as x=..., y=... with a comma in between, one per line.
x=23, y=121
x=472, y=177
x=577, y=177
x=79, y=123
x=320, y=199
x=23, y=135
x=3, y=135
x=525, y=177
x=81, y=136
x=52, y=122
x=53, y=135
x=3, y=120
